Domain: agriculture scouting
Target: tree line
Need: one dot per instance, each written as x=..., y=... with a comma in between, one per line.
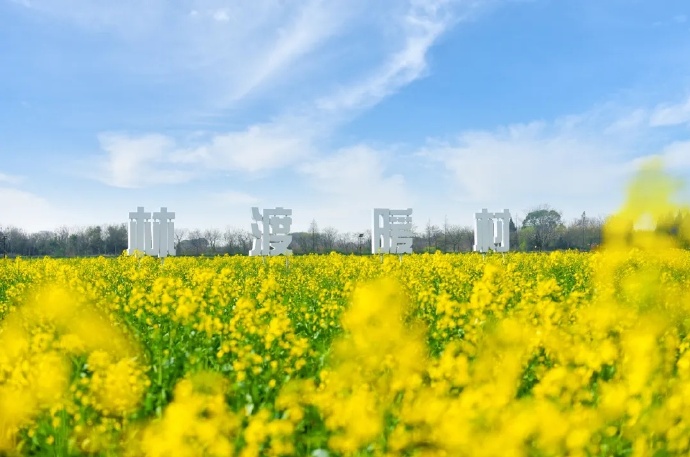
x=542, y=229
x=64, y=242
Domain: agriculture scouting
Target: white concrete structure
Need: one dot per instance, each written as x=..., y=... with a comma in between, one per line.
x=492, y=231
x=392, y=231
x=139, y=231
x=273, y=238
x=163, y=233
x=153, y=237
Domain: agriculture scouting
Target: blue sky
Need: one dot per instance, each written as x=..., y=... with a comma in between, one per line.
x=334, y=107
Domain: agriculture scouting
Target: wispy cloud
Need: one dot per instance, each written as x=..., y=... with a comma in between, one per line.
x=231, y=51
x=24, y=209
x=221, y=15
x=532, y=159
x=671, y=114
x=148, y=160
x=10, y=179
x=357, y=173
x=258, y=148
x=352, y=180
x=308, y=29
x=675, y=156
x=581, y=161
x=638, y=118
x=420, y=26
x=296, y=134
x=140, y=161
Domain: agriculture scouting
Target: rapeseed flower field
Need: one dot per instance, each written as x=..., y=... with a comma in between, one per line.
x=565, y=353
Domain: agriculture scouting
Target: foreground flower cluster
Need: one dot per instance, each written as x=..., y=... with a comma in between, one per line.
x=448, y=355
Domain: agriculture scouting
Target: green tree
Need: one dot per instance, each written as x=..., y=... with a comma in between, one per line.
x=545, y=223
x=116, y=239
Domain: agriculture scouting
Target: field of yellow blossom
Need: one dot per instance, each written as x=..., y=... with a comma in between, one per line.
x=432, y=355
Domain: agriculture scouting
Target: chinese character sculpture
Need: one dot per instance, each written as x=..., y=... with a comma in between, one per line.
x=153, y=236
x=492, y=231
x=273, y=238
x=163, y=233
x=392, y=231
x=139, y=231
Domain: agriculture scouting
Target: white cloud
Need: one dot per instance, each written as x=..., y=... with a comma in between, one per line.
x=308, y=29
x=26, y=210
x=675, y=156
x=570, y=161
x=420, y=27
x=230, y=50
x=359, y=173
x=257, y=148
x=157, y=159
x=534, y=161
x=140, y=161
x=221, y=15
x=251, y=48
x=148, y=160
x=574, y=163
x=671, y=114
x=627, y=123
x=353, y=180
x=10, y=179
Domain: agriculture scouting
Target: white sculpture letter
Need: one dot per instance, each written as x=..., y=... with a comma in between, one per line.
x=273, y=237
x=138, y=235
x=492, y=231
x=163, y=233
x=502, y=239
x=141, y=229
x=392, y=231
